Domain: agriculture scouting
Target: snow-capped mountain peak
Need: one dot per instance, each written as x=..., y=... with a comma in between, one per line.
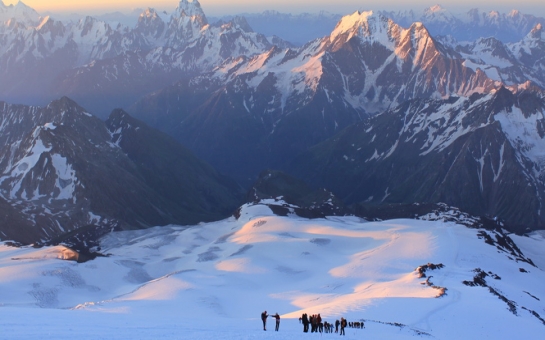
x=149, y=18
x=435, y=9
x=530, y=49
x=54, y=160
x=368, y=26
x=372, y=28
x=19, y=12
x=536, y=32
x=190, y=9
x=151, y=26
x=148, y=14
x=514, y=13
x=186, y=24
x=437, y=15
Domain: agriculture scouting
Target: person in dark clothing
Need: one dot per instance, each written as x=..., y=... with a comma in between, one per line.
x=277, y=317
x=343, y=325
x=264, y=316
x=337, y=323
x=305, y=322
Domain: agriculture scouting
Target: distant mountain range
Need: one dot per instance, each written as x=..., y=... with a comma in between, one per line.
x=42, y=58
x=376, y=112
x=471, y=25
x=295, y=28
x=463, y=26
x=272, y=107
x=286, y=100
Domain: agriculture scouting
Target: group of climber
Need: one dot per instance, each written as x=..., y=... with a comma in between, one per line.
x=315, y=322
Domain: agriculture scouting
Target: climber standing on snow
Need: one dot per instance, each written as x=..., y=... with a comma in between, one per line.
x=277, y=317
x=264, y=316
x=343, y=326
x=305, y=322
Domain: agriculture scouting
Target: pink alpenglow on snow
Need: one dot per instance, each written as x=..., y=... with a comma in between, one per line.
x=213, y=280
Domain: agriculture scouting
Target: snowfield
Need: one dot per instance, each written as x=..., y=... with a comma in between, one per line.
x=212, y=281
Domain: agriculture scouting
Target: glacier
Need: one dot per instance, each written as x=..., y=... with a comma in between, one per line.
x=404, y=278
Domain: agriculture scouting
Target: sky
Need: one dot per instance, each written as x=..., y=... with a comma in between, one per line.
x=220, y=7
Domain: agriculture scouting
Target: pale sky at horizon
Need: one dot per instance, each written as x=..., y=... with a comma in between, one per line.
x=220, y=7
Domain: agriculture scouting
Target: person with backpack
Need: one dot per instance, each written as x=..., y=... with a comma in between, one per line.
x=264, y=316
x=343, y=325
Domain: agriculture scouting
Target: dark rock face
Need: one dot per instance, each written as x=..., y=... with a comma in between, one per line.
x=465, y=152
x=199, y=191
x=63, y=170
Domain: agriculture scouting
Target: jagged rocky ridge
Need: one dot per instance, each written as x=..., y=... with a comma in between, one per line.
x=41, y=58
x=64, y=171
x=463, y=26
x=471, y=25
x=272, y=106
x=510, y=64
x=483, y=154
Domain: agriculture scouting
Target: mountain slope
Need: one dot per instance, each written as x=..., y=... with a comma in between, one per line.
x=62, y=172
x=511, y=64
x=272, y=106
x=482, y=154
x=405, y=279
x=192, y=184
